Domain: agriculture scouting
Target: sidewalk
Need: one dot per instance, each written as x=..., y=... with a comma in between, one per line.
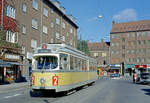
x=14, y=86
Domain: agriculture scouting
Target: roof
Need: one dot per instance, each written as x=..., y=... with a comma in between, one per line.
x=64, y=15
x=130, y=26
x=98, y=45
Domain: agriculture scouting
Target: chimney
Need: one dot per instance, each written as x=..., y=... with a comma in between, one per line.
x=63, y=10
x=113, y=22
x=71, y=18
x=56, y=3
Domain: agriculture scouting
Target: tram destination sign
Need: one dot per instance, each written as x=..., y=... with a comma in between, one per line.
x=44, y=51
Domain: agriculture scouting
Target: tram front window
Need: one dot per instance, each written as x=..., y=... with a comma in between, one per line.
x=46, y=62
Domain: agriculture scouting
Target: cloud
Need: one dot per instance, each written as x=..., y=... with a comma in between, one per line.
x=126, y=15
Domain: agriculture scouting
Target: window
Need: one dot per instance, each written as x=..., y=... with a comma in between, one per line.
x=23, y=49
x=24, y=7
x=63, y=38
x=45, y=12
x=128, y=35
x=34, y=24
x=139, y=42
x=57, y=21
x=52, y=24
x=104, y=54
x=71, y=30
x=95, y=54
x=52, y=41
x=45, y=30
x=143, y=33
x=144, y=42
x=23, y=29
x=10, y=11
x=123, y=39
x=11, y=37
x=63, y=25
x=33, y=43
x=148, y=42
x=149, y=33
x=57, y=35
x=112, y=44
x=138, y=34
x=35, y=4
x=123, y=46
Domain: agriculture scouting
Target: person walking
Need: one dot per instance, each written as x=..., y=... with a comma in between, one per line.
x=134, y=77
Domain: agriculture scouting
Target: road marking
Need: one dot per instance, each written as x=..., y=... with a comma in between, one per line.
x=12, y=96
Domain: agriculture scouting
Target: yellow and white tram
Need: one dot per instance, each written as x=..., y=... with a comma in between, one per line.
x=60, y=67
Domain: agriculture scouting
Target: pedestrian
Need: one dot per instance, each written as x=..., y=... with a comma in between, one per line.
x=134, y=77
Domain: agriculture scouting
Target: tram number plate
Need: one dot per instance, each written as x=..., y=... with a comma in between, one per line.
x=55, y=80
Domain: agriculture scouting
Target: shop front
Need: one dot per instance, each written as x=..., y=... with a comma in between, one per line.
x=129, y=69
x=115, y=69
x=10, y=68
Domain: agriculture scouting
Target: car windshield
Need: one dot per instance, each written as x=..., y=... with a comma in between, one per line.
x=46, y=62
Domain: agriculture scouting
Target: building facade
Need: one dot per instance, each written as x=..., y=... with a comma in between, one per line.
x=100, y=51
x=130, y=45
x=37, y=22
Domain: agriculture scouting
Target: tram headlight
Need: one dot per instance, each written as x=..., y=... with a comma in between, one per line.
x=42, y=81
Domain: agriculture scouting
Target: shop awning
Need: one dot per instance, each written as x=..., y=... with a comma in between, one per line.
x=4, y=64
x=15, y=63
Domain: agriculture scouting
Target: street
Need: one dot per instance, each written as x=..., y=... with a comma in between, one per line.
x=105, y=90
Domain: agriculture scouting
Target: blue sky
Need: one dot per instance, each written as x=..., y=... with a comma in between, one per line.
x=92, y=28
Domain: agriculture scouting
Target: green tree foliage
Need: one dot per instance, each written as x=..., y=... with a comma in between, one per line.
x=82, y=46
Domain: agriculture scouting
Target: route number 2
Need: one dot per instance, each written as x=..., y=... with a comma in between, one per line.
x=55, y=80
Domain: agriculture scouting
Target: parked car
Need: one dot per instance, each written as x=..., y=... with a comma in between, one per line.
x=115, y=76
x=145, y=78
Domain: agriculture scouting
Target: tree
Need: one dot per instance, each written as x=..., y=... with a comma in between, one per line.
x=82, y=46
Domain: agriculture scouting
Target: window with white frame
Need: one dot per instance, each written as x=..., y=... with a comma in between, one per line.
x=11, y=36
x=33, y=43
x=45, y=12
x=23, y=49
x=34, y=24
x=24, y=7
x=52, y=40
x=57, y=21
x=63, y=38
x=57, y=35
x=23, y=29
x=52, y=24
x=45, y=30
x=63, y=25
x=71, y=31
x=95, y=54
x=10, y=11
x=35, y=4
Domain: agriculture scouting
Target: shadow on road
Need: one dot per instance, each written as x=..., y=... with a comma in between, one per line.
x=147, y=91
x=46, y=94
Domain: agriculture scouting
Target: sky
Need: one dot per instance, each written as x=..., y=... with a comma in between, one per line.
x=94, y=29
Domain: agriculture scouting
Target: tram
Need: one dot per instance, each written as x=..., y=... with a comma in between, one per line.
x=59, y=67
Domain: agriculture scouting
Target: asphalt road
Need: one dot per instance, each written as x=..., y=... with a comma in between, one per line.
x=103, y=91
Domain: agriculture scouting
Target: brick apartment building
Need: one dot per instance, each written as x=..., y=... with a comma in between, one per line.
x=100, y=51
x=33, y=22
x=130, y=46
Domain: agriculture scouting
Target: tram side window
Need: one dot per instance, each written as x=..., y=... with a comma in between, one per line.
x=71, y=62
x=64, y=62
x=84, y=68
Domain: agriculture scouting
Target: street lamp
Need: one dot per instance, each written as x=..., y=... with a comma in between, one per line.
x=100, y=16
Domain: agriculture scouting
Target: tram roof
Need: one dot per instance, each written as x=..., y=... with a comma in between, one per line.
x=61, y=47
